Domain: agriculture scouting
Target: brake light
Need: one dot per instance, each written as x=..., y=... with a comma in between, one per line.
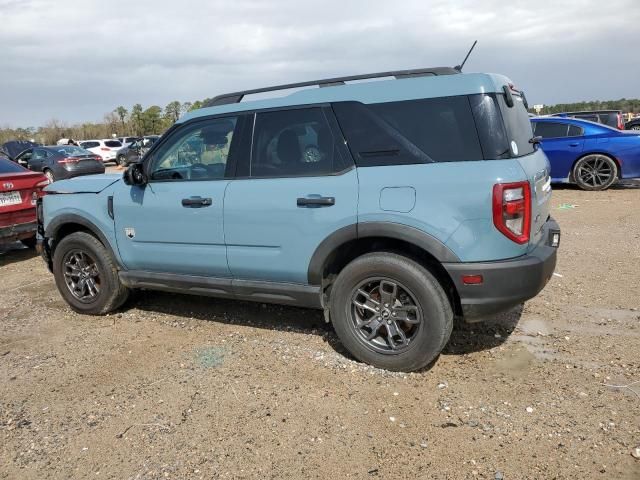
x=620, y=122
x=105, y=149
x=69, y=160
x=512, y=210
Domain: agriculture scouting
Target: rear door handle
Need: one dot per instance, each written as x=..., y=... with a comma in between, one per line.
x=196, y=202
x=315, y=202
x=575, y=144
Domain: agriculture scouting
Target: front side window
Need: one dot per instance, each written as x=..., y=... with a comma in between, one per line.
x=197, y=152
x=295, y=142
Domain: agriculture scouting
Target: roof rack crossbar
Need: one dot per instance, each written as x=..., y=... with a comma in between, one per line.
x=236, y=97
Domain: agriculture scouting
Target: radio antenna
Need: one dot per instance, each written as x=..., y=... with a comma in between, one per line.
x=459, y=67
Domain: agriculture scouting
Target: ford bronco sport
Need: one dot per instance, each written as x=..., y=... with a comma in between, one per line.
x=394, y=205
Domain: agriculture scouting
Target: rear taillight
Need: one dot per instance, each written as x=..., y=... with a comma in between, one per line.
x=69, y=160
x=512, y=210
x=105, y=149
x=620, y=122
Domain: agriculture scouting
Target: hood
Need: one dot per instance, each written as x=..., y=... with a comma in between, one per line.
x=86, y=184
x=16, y=147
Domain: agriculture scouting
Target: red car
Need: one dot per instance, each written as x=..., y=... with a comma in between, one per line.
x=19, y=190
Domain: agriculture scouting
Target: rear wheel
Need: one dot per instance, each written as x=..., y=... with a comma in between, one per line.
x=49, y=174
x=635, y=127
x=390, y=312
x=595, y=172
x=86, y=275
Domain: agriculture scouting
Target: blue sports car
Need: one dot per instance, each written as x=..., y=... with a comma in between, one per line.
x=591, y=155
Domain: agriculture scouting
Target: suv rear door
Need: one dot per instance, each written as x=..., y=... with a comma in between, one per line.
x=294, y=190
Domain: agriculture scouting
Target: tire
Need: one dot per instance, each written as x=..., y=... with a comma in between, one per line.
x=122, y=160
x=105, y=293
x=29, y=242
x=635, y=127
x=49, y=174
x=595, y=172
x=418, y=296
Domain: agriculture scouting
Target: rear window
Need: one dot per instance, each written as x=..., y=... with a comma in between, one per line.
x=73, y=150
x=413, y=131
x=517, y=125
x=112, y=143
x=7, y=166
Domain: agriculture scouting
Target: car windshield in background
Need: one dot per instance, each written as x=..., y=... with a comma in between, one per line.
x=112, y=143
x=7, y=166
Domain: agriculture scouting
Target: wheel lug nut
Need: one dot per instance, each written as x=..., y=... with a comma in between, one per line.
x=393, y=313
x=377, y=309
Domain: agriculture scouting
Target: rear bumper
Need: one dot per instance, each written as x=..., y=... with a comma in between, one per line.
x=505, y=283
x=17, y=232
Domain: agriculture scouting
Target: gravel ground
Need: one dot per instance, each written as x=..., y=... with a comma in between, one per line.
x=177, y=386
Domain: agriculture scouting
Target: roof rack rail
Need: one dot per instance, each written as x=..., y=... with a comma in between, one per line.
x=237, y=97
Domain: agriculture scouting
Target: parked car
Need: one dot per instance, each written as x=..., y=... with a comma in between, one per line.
x=19, y=190
x=61, y=161
x=633, y=124
x=16, y=147
x=392, y=205
x=136, y=150
x=106, y=148
x=612, y=118
x=591, y=155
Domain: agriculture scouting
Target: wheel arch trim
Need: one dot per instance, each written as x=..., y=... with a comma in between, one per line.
x=391, y=230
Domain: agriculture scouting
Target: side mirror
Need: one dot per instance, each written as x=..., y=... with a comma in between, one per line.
x=134, y=175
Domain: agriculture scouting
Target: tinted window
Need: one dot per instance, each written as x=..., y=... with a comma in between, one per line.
x=575, y=131
x=38, y=154
x=293, y=143
x=197, y=152
x=90, y=144
x=7, y=166
x=73, y=150
x=551, y=129
x=490, y=127
x=372, y=140
x=112, y=143
x=443, y=128
x=517, y=125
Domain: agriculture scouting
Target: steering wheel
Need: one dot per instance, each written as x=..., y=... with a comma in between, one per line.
x=312, y=154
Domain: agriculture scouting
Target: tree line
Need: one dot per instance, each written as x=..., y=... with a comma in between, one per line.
x=136, y=121
x=626, y=105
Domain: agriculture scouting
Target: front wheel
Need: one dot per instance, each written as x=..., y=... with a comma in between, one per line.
x=390, y=312
x=86, y=275
x=595, y=172
x=635, y=127
x=122, y=160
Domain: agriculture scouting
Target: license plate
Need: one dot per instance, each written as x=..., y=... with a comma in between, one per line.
x=10, y=198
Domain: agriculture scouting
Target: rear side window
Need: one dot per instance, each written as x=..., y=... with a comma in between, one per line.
x=517, y=125
x=112, y=143
x=293, y=143
x=551, y=129
x=575, y=131
x=409, y=132
x=90, y=144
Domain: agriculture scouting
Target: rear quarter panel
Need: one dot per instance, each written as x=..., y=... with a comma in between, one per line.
x=453, y=203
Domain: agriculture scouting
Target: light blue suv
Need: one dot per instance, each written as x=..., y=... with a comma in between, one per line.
x=394, y=205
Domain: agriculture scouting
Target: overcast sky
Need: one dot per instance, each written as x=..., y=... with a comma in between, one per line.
x=77, y=60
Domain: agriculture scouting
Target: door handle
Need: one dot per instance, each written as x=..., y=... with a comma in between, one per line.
x=196, y=202
x=574, y=144
x=315, y=202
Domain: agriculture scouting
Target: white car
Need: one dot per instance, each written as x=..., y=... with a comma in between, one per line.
x=106, y=148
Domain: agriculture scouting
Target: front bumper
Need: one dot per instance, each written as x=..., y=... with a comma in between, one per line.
x=17, y=232
x=506, y=283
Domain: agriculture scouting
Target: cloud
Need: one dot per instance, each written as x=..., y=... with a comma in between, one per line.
x=77, y=60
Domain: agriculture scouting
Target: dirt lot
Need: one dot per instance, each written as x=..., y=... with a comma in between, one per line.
x=178, y=386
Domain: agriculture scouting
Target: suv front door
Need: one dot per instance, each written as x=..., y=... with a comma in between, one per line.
x=174, y=224
x=296, y=188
